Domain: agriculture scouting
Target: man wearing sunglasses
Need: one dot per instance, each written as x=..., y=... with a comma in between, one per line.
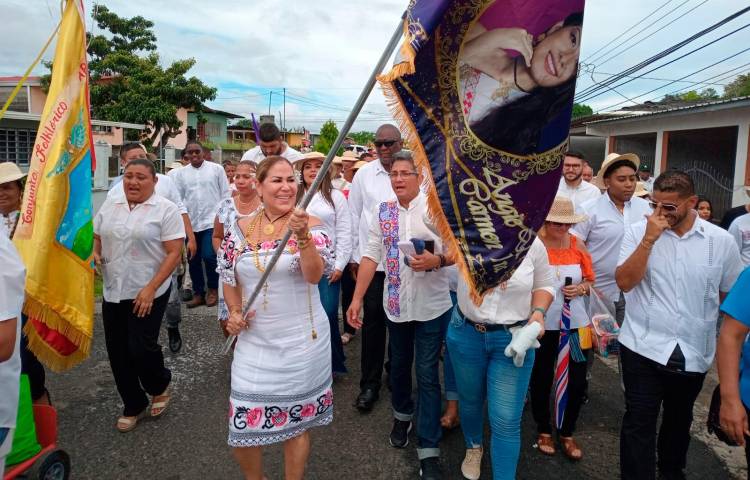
x=371, y=187
x=674, y=268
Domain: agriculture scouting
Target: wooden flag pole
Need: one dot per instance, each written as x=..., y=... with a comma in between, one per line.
x=392, y=44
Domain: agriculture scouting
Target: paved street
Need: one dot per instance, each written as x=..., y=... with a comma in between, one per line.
x=190, y=441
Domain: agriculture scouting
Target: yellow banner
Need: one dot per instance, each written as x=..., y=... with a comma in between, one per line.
x=55, y=232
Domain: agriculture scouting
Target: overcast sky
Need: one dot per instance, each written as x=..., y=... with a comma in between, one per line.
x=323, y=51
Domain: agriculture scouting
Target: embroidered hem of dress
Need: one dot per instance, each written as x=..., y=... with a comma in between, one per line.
x=256, y=439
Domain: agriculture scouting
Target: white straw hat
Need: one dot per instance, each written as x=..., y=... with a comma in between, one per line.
x=608, y=161
x=9, y=172
x=563, y=211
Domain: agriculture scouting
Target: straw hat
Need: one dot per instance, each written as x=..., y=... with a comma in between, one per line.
x=608, y=161
x=640, y=190
x=337, y=160
x=359, y=164
x=9, y=172
x=349, y=156
x=174, y=165
x=309, y=156
x=563, y=211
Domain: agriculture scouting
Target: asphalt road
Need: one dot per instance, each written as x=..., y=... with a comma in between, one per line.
x=189, y=442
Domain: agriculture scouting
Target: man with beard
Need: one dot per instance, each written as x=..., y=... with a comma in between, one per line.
x=271, y=144
x=572, y=184
x=674, y=268
x=371, y=187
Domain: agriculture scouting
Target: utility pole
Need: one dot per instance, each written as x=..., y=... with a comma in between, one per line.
x=283, y=124
x=270, y=97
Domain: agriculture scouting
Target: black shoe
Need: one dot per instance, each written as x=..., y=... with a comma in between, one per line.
x=429, y=469
x=400, y=433
x=175, y=340
x=366, y=400
x=186, y=294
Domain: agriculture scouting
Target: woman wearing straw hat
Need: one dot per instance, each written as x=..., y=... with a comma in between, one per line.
x=330, y=206
x=11, y=191
x=569, y=259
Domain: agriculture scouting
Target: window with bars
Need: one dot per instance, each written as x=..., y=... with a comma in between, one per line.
x=20, y=103
x=16, y=145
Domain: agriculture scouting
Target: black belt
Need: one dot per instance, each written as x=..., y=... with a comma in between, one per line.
x=490, y=327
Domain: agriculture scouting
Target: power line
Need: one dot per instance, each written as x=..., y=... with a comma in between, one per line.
x=650, y=35
x=686, y=76
x=609, y=74
x=628, y=29
x=638, y=32
x=591, y=92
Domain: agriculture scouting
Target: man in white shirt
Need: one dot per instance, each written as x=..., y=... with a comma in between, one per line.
x=202, y=185
x=740, y=230
x=372, y=186
x=674, y=268
x=12, y=280
x=609, y=215
x=417, y=302
x=644, y=174
x=165, y=187
x=271, y=144
x=572, y=184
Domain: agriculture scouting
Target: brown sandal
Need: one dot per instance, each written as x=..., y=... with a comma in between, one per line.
x=545, y=444
x=570, y=448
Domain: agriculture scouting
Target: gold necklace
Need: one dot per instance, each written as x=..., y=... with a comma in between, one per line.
x=255, y=249
x=314, y=333
x=270, y=228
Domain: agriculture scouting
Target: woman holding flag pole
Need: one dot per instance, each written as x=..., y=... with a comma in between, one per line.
x=567, y=342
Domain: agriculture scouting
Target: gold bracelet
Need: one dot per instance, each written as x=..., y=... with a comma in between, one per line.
x=304, y=242
x=646, y=244
x=235, y=308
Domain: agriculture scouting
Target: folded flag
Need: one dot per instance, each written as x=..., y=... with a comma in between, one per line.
x=484, y=91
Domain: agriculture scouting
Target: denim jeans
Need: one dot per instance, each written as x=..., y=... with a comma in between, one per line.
x=204, y=254
x=419, y=342
x=449, y=377
x=483, y=371
x=329, y=297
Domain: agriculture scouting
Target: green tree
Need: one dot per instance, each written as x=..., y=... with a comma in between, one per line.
x=692, y=96
x=582, y=110
x=244, y=123
x=128, y=82
x=363, y=138
x=328, y=134
x=739, y=87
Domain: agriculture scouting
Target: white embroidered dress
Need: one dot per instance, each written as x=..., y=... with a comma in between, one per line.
x=281, y=375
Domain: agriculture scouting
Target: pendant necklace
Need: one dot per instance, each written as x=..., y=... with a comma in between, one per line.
x=270, y=228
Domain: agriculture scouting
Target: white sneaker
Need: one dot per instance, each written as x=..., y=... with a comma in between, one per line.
x=471, y=467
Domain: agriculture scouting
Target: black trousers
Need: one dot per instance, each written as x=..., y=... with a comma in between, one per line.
x=648, y=389
x=347, y=292
x=31, y=366
x=134, y=352
x=373, y=335
x=542, y=377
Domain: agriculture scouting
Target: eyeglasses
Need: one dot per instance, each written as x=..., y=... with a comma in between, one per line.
x=403, y=175
x=193, y=152
x=667, y=207
x=384, y=143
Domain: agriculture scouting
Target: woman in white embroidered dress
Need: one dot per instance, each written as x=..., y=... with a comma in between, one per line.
x=281, y=373
x=243, y=203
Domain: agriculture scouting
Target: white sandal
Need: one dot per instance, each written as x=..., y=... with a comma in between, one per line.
x=160, y=405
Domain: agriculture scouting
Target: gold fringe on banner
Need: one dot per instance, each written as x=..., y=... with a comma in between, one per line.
x=406, y=65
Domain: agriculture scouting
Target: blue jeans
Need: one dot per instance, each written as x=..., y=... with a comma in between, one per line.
x=483, y=371
x=449, y=377
x=204, y=254
x=425, y=339
x=329, y=297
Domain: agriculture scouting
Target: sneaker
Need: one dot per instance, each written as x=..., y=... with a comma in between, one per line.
x=471, y=467
x=429, y=469
x=400, y=433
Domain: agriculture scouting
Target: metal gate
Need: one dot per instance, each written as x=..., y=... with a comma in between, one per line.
x=711, y=183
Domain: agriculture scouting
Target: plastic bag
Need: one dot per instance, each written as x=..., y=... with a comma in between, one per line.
x=603, y=325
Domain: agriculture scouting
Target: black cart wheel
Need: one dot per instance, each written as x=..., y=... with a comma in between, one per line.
x=54, y=465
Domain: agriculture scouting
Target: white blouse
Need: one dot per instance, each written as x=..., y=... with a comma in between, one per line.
x=12, y=281
x=337, y=221
x=132, y=243
x=513, y=303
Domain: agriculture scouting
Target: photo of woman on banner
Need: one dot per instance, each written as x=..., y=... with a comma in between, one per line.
x=513, y=83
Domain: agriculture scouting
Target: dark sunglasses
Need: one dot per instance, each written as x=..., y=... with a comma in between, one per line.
x=384, y=143
x=192, y=152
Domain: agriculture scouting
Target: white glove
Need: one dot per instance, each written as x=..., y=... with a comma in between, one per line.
x=524, y=338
